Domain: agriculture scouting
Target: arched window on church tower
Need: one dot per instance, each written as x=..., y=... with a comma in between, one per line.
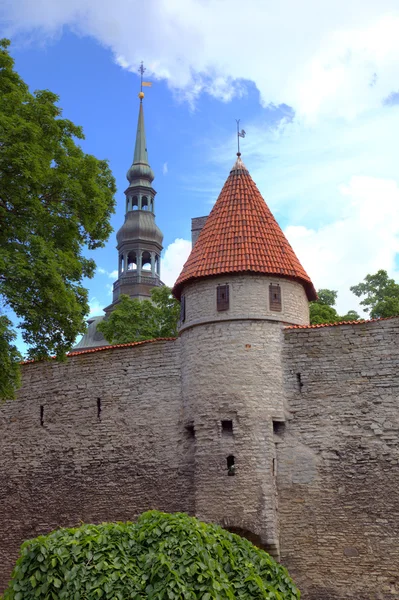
x=157, y=264
x=146, y=261
x=122, y=263
x=144, y=203
x=135, y=203
x=132, y=261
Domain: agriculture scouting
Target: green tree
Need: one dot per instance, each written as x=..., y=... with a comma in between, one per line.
x=54, y=201
x=381, y=295
x=161, y=556
x=323, y=311
x=136, y=320
x=9, y=359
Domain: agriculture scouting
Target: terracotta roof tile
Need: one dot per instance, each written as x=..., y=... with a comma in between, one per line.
x=320, y=325
x=110, y=347
x=241, y=235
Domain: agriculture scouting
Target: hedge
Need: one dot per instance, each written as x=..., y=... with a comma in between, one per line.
x=161, y=556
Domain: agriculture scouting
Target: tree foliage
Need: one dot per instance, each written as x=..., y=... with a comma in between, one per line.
x=380, y=295
x=54, y=201
x=162, y=556
x=9, y=359
x=135, y=320
x=323, y=311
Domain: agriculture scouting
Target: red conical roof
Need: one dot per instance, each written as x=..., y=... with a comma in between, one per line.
x=241, y=235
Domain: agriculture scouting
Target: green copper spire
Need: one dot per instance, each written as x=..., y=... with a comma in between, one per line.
x=140, y=172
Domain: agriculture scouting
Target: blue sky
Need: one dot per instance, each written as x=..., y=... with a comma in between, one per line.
x=316, y=86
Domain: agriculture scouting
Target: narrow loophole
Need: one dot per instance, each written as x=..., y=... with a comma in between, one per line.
x=190, y=431
x=299, y=381
x=231, y=467
x=99, y=409
x=41, y=415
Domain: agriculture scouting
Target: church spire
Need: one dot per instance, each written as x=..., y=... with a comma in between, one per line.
x=139, y=239
x=140, y=169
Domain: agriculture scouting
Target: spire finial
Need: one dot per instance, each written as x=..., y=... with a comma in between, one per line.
x=239, y=134
x=142, y=70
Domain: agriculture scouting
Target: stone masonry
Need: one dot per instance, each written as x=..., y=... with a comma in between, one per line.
x=314, y=414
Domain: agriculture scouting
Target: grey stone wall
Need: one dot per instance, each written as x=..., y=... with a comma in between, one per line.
x=79, y=466
x=315, y=421
x=249, y=299
x=231, y=370
x=337, y=461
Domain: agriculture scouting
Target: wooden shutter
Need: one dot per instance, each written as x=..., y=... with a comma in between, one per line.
x=275, y=297
x=222, y=297
x=183, y=309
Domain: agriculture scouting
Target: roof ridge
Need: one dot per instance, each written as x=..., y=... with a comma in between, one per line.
x=100, y=348
x=358, y=322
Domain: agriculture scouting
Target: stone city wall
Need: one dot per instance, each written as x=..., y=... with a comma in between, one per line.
x=111, y=444
x=337, y=461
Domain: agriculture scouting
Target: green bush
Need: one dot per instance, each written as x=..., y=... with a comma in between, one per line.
x=160, y=556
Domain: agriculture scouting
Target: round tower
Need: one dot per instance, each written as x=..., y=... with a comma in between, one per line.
x=240, y=285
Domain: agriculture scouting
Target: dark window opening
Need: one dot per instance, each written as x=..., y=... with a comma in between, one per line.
x=222, y=297
x=99, y=409
x=146, y=261
x=190, y=430
x=278, y=428
x=299, y=381
x=183, y=309
x=275, y=297
x=132, y=261
x=274, y=467
x=231, y=467
x=144, y=203
x=227, y=427
x=135, y=203
x=42, y=415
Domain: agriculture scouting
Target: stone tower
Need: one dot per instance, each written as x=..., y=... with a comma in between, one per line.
x=241, y=283
x=139, y=239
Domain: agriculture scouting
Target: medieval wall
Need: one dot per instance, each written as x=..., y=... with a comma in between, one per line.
x=98, y=438
x=337, y=461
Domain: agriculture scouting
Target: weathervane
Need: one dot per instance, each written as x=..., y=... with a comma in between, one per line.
x=239, y=134
x=142, y=69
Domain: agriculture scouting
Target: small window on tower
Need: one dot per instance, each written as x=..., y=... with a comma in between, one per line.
x=231, y=466
x=275, y=297
x=183, y=309
x=227, y=427
x=222, y=297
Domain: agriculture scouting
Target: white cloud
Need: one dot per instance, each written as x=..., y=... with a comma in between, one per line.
x=110, y=274
x=165, y=168
x=173, y=260
x=337, y=59
x=96, y=307
x=364, y=239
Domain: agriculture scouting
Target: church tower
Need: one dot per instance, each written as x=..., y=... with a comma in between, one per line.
x=240, y=285
x=139, y=239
